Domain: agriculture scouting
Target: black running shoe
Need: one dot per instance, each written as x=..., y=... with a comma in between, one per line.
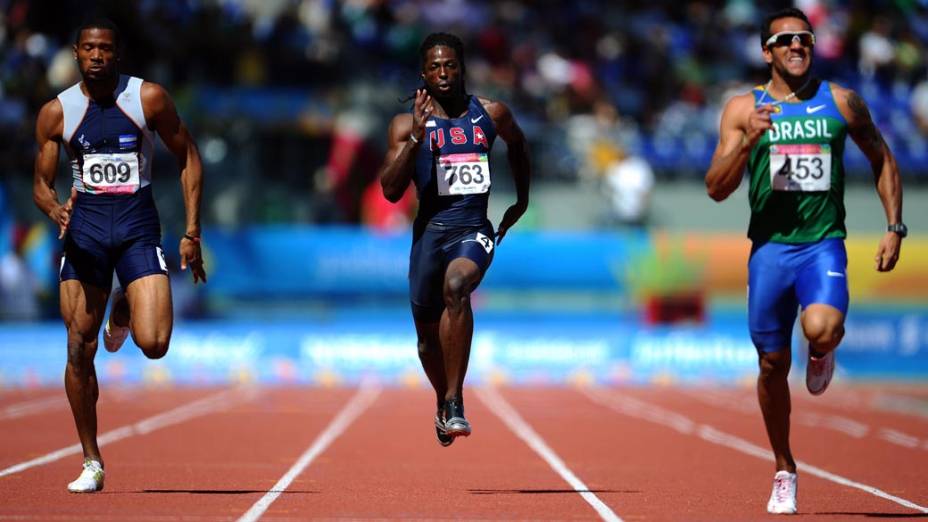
x=440, y=432
x=455, y=423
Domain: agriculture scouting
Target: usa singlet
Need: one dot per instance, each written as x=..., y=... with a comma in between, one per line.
x=453, y=170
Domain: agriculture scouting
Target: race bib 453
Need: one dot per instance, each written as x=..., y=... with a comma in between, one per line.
x=800, y=167
x=462, y=174
x=116, y=173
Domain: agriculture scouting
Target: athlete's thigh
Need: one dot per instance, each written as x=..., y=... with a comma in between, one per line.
x=140, y=258
x=150, y=309
x=822, y=278
x=86, y=256
x=772, y=302
x=470, y=254
x=426, y=269
x=82, y=308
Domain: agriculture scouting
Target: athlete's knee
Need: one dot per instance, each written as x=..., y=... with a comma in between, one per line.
x=81, y=349
x=774, y=365
x=823, y=330
x=154, y=346
x=457, y=290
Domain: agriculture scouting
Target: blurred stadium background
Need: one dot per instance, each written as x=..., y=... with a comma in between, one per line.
x=623, y=270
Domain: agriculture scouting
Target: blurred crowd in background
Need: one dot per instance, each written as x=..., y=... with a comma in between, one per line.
x=289, y=100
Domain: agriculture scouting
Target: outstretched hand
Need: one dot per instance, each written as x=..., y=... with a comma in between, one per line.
x=512, y=215
x=191, y=255
x=887, y=254
x=62, y=213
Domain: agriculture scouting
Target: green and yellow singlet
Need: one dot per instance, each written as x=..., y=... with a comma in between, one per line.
x=797, y=172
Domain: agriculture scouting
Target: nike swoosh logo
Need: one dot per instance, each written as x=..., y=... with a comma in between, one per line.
x=832, y=273
x=811, y=110
x=475, y=120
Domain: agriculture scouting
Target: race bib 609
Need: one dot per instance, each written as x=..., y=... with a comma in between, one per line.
x=462, y=174
x=116, y=173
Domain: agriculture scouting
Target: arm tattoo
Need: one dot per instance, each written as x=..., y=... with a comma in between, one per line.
x=865, y=130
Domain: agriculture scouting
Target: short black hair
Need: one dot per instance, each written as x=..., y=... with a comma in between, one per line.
x=98, y=23
x=788, y=12
x=446, y=40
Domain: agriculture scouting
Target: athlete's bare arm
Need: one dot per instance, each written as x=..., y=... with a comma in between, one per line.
x=399, y=164
x=161, y=116
x=885, y=172
x=48, y=130
x=517, y=152
x=741, y=128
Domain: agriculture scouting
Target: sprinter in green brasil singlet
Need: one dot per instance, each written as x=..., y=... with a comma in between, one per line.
x=797, y=169
x=790, y=135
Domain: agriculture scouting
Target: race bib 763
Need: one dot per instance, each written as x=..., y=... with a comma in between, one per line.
x=462, y=174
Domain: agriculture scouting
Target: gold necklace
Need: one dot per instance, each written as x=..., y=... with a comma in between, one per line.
x=786, y=98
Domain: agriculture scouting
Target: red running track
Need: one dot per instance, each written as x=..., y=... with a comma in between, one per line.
x=536, y=454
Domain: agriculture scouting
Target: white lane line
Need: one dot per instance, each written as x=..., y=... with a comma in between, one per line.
x=897, y=437
x=846, y=425
x=21, y=409
x=366, y=396
x=642, y=410
x=900, y=404
x=177, y=415
x=511, y=418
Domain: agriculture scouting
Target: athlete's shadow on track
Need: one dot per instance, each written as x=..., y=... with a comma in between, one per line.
x=223, y=491
x=545, y=491
x=870, y=515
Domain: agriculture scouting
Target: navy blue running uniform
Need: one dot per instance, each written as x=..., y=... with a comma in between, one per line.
x=442, y=146
x=453, y=179
x=115, y=223
x=107, y=124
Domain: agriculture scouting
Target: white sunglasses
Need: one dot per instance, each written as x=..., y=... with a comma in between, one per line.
x=805, y=38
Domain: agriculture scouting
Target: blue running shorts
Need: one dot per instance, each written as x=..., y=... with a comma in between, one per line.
x=113, y=232
x=433, y=249
x=782, y=277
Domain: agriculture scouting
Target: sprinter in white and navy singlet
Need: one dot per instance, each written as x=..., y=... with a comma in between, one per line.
x=789, y=134
x=443, y=147
x=115, y=224
x=107, y=125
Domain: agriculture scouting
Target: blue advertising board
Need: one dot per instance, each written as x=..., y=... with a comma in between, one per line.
x=516, y=348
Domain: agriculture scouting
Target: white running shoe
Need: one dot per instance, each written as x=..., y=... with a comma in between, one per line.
x=114, y=336
x=90, y=479
x=819, y=372
x=783, y=497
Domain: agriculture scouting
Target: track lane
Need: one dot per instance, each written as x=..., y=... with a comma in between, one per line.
x=388, y=465
x=208, y=468
x=891, y=470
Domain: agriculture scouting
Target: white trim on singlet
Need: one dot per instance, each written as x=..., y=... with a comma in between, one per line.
x=74, y=107
x=74, y=104
x=130, y=102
